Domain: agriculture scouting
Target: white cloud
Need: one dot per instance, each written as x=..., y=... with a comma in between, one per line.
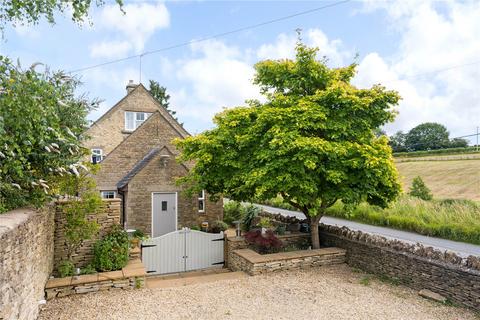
x=110, y=49
x=139, y=22
x=112, y=82
x=433, y=36
x=284, y=47
x=217, y=76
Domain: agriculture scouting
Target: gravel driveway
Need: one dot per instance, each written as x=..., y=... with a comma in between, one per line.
x=323, y=293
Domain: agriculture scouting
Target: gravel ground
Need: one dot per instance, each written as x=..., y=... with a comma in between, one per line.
x=326, y=293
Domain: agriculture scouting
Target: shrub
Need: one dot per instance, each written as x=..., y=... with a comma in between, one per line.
x=233, y=211
x=263, y=243
x=281, y=229
x=138, y=234
x=218, y=226
x=66, y=268
x=251, y=212
x=420, y=190
x=265, y=222
x=195, y=227
x=42, y=125
x=89, y=269
x=111, y=252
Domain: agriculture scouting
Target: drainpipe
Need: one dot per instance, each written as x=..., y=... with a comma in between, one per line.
x=124, y=220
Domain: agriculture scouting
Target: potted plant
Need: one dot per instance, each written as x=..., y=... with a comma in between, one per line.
x=137, y=236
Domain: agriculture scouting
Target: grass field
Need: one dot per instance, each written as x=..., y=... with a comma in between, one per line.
x=447, y=177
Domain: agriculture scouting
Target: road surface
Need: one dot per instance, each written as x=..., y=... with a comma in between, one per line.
x=462, y=249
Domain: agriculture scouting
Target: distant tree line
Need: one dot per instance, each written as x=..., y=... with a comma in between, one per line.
x=426, y=136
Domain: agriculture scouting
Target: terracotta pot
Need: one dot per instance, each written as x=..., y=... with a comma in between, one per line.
x=135, y=242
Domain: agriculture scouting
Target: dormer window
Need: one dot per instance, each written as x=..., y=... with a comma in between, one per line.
x=134, y=119
x=97, y=155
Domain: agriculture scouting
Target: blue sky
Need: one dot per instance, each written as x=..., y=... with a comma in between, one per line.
x=396, y=41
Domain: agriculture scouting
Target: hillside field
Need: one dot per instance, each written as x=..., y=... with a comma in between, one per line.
x=447, y=176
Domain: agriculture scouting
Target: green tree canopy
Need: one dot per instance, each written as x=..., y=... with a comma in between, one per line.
x=32, y=11
x=397, y=142
x=42, y=125
x=427, y=136
x=312, y=141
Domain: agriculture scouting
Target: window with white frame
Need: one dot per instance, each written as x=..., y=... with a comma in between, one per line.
x=108, y=194
x=201, y=201
x=134, y=119
x=97, y=155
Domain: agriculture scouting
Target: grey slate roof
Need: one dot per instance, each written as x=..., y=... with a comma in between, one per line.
x=138, y=167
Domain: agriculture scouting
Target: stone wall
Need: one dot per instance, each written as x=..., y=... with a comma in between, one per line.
x=26, y=260
x=108, y=216
x=416, y=266
x=132, y=276
x=156, y=178
x=249, y=261
x=236, y=243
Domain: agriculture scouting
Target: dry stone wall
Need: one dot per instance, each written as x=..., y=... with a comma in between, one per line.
x=253, y=263
x=419, y=267
x=108, y=216
x=26, y=261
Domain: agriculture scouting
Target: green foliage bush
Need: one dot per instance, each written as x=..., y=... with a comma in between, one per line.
x=111, y=252
x=218, y=226
x=138, y=234
x=265, y=222
x=77, y=210
x=89, y=269
x=42, y=125
x=233, y=211
x=251, y=212
x=420, y=190
x=66, y=268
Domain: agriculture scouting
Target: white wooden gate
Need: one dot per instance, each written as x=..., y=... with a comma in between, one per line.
x=183, y=250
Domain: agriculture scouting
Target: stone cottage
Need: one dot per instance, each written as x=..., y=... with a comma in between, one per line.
x=132, y=142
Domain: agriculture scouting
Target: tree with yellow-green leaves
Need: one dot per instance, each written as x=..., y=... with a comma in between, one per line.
x=312, y=140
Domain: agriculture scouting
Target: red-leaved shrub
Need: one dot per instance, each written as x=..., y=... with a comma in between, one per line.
x=263, y=243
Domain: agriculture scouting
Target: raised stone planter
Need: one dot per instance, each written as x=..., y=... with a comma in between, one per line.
x=253, y=263
x=235, y=243
x=130, y=277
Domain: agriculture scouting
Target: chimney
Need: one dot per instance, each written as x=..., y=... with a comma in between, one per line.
x=130, y=86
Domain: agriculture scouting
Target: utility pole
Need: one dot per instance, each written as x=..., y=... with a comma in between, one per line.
x=477, y=140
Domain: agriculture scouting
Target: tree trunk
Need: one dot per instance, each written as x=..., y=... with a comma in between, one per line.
x=315, y=238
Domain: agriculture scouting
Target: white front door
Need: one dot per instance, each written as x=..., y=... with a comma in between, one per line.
x=164, y=213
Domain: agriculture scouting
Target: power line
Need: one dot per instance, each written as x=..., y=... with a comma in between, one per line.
x=218, y=35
